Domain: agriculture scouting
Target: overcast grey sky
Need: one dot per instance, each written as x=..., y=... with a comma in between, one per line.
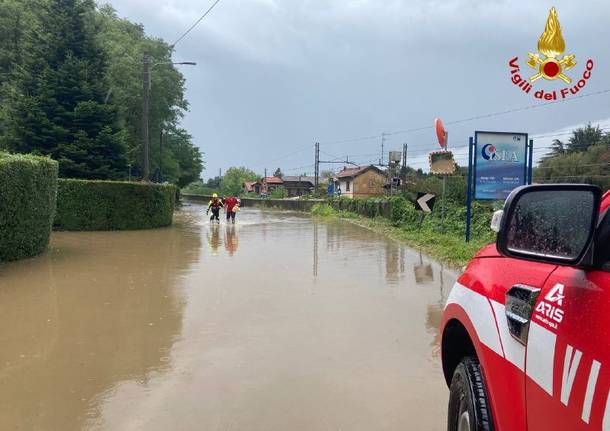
x=275, y=76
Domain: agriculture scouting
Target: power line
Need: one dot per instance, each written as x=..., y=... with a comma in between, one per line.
x=477, y=117
x=601, y=129
x=508, y=111
x=365, y=138
x=331, y=155
x=298, y=168
x=574, y=166
x=173, y=45
x=282, y=157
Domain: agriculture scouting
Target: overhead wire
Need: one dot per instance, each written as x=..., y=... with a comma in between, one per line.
x=468, y=119
x=263, y=164
x=459, y=150
x=173, y=45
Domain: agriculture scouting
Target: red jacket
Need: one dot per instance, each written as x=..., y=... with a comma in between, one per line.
x=230, y=203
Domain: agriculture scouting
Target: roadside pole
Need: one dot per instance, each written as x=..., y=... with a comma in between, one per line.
x=530, y=169
x=161, y=155
x=145, y=141
x=444, y=188
x=469, y=188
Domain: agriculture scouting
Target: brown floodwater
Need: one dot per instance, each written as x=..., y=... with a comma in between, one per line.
x=280, y=323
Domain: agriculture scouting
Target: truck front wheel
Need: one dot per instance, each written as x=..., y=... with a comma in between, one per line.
x=468, y=402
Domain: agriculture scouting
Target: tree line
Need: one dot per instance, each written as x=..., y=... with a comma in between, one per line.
x=71, y=88
x=583, y=158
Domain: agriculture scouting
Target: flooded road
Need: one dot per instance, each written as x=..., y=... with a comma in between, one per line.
x=278, y=323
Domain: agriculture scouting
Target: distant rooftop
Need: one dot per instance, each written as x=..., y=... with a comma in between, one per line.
x=355, y=171
x=273, y=180
x=299, y=178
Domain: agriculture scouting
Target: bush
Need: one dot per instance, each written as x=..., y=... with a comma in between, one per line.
x=401, y=212
x=28, y=188
x=199, y=188
x=277, y=193
x=373, y=207
x=113, y=205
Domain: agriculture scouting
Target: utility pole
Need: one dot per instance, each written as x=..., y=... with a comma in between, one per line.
x=145, y=137
x=146, y=83
x=264, y=188
x=382, y=148
x=405, y=149
x=219, y=172
x=161, y=155
x=317, y=165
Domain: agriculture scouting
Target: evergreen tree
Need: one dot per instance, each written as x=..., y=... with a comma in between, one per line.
x=55, y=105
x=585, y=158
x=584, y=137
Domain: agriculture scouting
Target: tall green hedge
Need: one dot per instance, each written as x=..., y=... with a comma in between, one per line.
x=112, y=205
x=368, y=207
x=28, y=187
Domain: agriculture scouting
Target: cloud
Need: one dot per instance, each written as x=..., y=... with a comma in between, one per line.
x=277, y=75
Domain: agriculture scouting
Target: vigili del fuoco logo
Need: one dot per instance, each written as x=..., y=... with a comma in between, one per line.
x=551, y=64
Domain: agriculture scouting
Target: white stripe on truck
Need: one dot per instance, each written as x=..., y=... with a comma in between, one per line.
x=479, y=311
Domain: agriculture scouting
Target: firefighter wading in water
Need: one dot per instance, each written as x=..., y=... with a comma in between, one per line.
x=231, y=207
x=215, y=205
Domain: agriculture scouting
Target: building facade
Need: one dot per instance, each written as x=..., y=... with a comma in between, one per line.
x=361, y=182
x=298, y=185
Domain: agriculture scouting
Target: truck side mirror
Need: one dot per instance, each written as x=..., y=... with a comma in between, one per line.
x=552, y=223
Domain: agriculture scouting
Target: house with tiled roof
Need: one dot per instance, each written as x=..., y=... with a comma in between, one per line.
x=360, y=182
x=268, y=184
x=249, y=186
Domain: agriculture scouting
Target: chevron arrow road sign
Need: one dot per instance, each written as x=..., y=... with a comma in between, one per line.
x=425, y=202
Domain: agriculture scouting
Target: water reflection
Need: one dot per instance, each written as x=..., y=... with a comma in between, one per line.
x=231, y=239
x=315, y=248
x=98, y=309
x=394, y=262
x=361, y=247
x=214, y=240
x=424, y=275
x=423, y=272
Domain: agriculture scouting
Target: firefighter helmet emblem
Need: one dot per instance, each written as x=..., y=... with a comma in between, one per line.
x=551, y=45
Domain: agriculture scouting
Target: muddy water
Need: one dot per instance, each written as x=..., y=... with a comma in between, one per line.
x=277, y=323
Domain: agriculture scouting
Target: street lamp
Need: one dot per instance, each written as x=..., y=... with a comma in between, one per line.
x=188, y=63
x=146, y=87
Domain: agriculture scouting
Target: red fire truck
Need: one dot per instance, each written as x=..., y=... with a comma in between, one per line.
x=525, y=332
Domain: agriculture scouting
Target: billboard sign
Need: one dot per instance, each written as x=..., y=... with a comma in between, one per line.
x=500, y=164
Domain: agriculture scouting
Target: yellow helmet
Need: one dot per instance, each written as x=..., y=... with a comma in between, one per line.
x=215, y=195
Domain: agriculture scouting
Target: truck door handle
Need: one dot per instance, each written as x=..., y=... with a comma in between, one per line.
x=520, y=302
